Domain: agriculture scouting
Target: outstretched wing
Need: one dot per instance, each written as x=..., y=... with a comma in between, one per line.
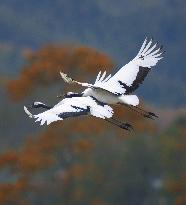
x=72, y=107
x=101, y=78
x=130, y=76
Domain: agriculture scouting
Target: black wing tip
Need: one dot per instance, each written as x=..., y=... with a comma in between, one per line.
x=163, y=52
x=158, y=45
x=151, y=38
x=161, y=47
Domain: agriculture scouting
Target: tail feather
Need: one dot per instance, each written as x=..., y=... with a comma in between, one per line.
x=129, y=99
x=43, y=117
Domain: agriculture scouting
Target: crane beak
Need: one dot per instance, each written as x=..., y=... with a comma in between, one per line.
x=66, y=78
x=28, y=112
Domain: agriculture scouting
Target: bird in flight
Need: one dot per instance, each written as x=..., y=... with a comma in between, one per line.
x=96, y=99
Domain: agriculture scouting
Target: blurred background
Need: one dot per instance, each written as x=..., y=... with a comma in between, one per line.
x=86, y=161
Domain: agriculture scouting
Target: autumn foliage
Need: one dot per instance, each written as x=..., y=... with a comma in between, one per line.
x=69, y=161
x=43, y=67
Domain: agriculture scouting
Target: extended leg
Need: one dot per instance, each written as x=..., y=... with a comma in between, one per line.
x=142, y=112
x=151, y=114
x=122, y=125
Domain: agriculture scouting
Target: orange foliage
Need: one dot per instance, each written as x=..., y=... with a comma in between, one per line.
x=10, y=157
x=44, y=65
x=83, y=145
x=10, y=193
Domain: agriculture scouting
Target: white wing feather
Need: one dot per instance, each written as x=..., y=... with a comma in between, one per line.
x=72, y=105
x=147, y=57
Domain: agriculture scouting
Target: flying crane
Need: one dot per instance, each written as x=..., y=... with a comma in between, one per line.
x=96, y=99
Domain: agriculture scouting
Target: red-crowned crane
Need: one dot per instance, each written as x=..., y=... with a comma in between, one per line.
x=116, y=89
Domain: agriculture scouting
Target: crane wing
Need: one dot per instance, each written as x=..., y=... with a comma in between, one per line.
x=130, y=76
x=72, y=107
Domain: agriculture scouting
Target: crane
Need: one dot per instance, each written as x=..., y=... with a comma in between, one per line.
x=96, y=99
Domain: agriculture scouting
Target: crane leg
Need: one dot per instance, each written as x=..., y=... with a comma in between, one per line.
x=142, y=112
x=122, y=125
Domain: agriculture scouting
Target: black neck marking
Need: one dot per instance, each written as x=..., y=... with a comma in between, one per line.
x=143, y=71
x=98, y=102
x=75, y=114
x=73, y=95
x=41, y=105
